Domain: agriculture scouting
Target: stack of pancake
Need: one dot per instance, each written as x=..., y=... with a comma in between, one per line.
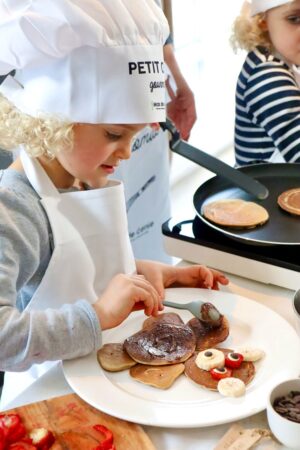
x=165, y=347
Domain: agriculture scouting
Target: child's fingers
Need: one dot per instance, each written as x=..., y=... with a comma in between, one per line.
x=212, y=277
x=207, y=277
x=220, y=277
x=145, y=293
x=156, y=281
x=150, y=303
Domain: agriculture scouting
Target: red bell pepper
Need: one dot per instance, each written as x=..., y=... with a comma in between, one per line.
x=219, y=374
x=24, y=444
x=2, y=440
x=12, y=427
x=233, y=360
x=100, y=447
x=42, y=438
x=107, y=444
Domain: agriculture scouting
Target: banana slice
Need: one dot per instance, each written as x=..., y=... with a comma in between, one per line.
x=251, y=354
x=210, y=359
x=231, y=387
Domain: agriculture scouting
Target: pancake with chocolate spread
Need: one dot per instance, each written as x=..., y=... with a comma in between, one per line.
x=208, y=336
x=290, y=201
x=161, y=344
x=235, y=213
x=164, y=317
x=245, y=372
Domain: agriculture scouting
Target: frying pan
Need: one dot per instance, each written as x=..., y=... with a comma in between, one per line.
x=261, y=183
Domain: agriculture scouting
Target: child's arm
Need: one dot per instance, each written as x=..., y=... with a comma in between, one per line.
x=73, y=330
x=273, y=100
x=35, y=336
x=163, y=276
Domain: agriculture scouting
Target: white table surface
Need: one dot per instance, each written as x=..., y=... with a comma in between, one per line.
x=53, y=383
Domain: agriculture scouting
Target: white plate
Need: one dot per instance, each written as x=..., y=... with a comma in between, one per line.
x=186, y=404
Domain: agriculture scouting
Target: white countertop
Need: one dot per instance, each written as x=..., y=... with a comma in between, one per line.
x=53, y=383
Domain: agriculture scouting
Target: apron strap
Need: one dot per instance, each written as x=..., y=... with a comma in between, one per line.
x=37, y=176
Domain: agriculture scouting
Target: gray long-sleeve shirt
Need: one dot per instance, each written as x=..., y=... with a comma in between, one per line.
x=25, y=251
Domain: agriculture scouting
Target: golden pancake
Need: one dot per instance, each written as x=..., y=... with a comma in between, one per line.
x=245, y=372
x=113, y=358
x=235, y=213
x=207, y=336
x=290, y=201
x=161, y=344
x=161, y=377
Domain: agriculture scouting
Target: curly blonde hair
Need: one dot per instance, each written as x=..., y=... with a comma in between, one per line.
x=44, y=135
x=247, y=32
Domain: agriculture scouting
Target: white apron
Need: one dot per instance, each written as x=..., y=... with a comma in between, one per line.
x=146, y=181
x=91, y=245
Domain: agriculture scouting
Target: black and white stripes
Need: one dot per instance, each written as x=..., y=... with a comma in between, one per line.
x=267, y=110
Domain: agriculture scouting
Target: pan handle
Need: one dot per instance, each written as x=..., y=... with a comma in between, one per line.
x=213, y=164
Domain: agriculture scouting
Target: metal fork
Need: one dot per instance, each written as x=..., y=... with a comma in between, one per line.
x=196, y=308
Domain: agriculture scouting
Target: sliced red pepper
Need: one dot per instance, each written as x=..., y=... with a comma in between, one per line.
x=12, y=427
x=107, y=444
x=2, y=440
x=100, y=447
x=219, y=374
x=24, y=444
x=233, y=360
x=42, y=438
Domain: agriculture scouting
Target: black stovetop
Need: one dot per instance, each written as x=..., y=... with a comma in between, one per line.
x=197, y=232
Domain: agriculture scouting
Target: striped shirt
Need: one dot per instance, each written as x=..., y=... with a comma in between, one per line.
x=267, y=110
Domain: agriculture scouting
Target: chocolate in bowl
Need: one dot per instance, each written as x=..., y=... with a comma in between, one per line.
x=287, y=431
x=288, y=406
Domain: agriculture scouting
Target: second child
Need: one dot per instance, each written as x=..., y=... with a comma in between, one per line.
x=267, y=121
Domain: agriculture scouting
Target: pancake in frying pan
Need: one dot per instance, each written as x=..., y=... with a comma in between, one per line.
x=245, y=372
x=290, y=201
x=235, y=213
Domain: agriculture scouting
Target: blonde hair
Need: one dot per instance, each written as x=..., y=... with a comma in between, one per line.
x=39, y=135
x=248, y=32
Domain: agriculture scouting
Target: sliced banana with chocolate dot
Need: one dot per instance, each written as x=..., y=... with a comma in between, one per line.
x=210, y=359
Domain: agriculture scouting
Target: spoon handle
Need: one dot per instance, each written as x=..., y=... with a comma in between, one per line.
x=175, y=305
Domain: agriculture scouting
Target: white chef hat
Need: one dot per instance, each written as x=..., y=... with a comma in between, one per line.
x=88, y=61
x=259, y=6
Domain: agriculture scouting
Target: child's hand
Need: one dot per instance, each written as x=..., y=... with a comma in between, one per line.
x=162, y=276
x=199, y=276
x=126, y=293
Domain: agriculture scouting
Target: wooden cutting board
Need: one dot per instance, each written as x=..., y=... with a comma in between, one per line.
x=71, y=420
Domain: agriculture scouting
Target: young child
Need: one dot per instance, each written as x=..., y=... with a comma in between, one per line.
x=81, y=92
x=267, y=123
